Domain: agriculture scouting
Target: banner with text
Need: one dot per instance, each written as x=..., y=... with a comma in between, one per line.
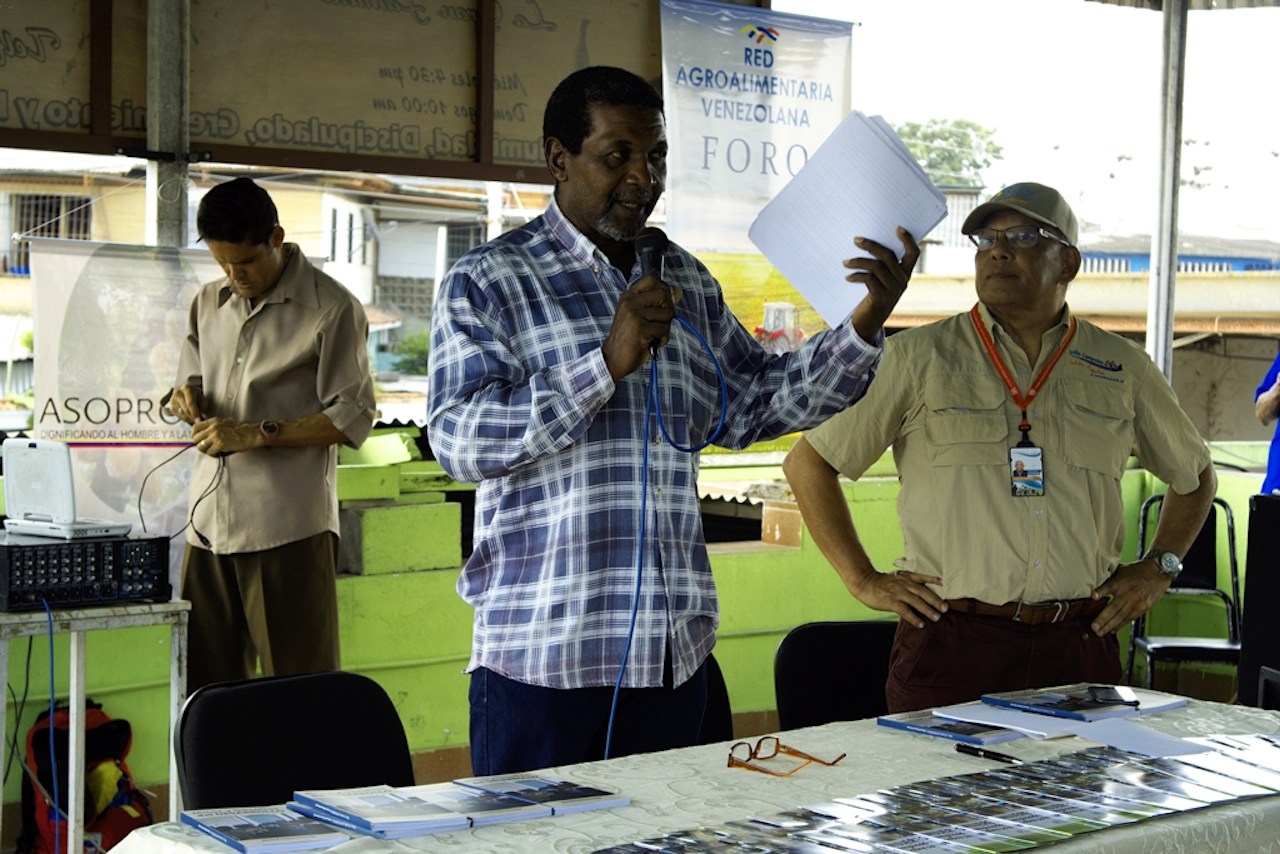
x=109, y=320
x=750, y=94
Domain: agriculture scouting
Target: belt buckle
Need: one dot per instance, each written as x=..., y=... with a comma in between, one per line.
x=1017, y=613
x=1063, y=608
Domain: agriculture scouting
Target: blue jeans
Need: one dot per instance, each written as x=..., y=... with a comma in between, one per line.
x=519, y=727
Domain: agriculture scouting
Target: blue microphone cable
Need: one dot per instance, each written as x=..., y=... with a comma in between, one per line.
x=653, y=404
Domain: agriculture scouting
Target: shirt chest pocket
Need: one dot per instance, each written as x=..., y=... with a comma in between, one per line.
x=965, y=422
x=1097, y=428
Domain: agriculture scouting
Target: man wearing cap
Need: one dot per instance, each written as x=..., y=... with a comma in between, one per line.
x=1011, y=426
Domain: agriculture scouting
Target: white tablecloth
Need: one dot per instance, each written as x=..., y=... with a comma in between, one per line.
x=692, y=787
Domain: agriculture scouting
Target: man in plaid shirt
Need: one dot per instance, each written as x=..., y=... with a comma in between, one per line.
x=588, y=546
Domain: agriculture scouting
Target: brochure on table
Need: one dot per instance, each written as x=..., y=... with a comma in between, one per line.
x=1009, y=808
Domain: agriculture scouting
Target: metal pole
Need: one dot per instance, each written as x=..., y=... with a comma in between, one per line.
x=1164, y=243
x=168, y=52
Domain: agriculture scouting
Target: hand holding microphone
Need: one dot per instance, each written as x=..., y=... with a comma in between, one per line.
x=645, y=310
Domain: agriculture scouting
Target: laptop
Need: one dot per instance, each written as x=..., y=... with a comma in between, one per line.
x=39, y=493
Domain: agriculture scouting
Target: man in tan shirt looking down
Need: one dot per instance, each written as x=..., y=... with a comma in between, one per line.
x=1011, y=426
x=273, y=375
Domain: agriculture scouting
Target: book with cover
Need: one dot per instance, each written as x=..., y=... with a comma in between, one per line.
x=263, y=830
x=385, y=811
x=481, y=807
x=563, y=796
x=1074, y=702
x=345, y=822
x=927, y=723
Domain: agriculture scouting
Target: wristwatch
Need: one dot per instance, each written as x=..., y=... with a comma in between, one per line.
x=1168, y=562
x=270, y=430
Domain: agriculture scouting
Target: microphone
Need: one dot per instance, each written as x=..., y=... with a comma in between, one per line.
x=650, y=244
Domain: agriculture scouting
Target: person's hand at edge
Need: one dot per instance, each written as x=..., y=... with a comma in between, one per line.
x=1134, y=589
x=885, y=278
x=904, y=593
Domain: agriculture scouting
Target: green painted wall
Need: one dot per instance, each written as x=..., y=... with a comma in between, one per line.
x=410, y=632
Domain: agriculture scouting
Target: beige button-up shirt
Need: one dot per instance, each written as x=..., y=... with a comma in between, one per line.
x=302, y=350
x=938, y=400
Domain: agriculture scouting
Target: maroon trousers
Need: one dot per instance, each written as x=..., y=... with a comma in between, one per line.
x=962, y=656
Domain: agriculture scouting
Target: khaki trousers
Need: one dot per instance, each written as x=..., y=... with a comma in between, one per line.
x=275, y=611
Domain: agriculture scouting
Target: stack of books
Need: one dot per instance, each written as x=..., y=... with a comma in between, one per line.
x=320, y=818
x=385, y=812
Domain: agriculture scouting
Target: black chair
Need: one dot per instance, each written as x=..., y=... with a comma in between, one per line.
x=1199, y=578
x=1268, y=688
x=717, y=720
x=253, y=743
x=833, y=671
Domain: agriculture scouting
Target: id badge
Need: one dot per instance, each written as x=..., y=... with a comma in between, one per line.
x=1026, y=471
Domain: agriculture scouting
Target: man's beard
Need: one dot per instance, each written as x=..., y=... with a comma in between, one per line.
x=606, y=225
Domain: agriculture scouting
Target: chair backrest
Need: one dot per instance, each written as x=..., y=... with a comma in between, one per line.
x=1200, y=565
x=832, y=671
x=1268, y=688
x=717, y=720
x=253, y=743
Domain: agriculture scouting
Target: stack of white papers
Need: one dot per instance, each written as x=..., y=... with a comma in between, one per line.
x=861, y=182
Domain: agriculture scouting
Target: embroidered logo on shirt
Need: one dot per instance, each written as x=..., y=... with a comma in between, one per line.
x=1108, y=365
x=1098, y=368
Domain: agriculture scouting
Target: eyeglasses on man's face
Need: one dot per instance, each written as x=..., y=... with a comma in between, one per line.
x=743, y=754
x=1018, y=237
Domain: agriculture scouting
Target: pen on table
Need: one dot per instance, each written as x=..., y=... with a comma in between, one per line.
x=987, y=754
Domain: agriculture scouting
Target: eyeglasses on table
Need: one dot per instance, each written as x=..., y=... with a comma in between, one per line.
x=744, y=754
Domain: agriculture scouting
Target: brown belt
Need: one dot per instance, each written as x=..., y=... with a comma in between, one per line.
x=1032, y=614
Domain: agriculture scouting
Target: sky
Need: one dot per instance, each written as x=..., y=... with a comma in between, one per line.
x=1072, y=91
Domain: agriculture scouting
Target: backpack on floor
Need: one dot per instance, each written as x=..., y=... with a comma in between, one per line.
x=113, y=804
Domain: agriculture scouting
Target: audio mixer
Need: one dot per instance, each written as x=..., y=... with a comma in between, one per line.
x=82, y=573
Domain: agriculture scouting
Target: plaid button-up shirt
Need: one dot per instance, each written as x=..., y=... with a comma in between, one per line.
x=521, y=403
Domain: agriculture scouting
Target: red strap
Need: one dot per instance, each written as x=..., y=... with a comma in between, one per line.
x=1024, y=403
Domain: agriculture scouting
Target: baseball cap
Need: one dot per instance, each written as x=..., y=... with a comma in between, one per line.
x=1041, y=203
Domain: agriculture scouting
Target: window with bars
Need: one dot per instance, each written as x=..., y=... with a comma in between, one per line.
x=69, y=217
x=461, y=239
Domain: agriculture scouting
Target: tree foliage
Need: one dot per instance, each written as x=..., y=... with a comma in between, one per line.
x=952, y=152
x=412, y=353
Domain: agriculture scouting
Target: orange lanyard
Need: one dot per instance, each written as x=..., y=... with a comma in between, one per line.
x=1024, y=403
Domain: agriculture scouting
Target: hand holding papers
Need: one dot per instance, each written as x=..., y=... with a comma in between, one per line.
x=861, y=182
